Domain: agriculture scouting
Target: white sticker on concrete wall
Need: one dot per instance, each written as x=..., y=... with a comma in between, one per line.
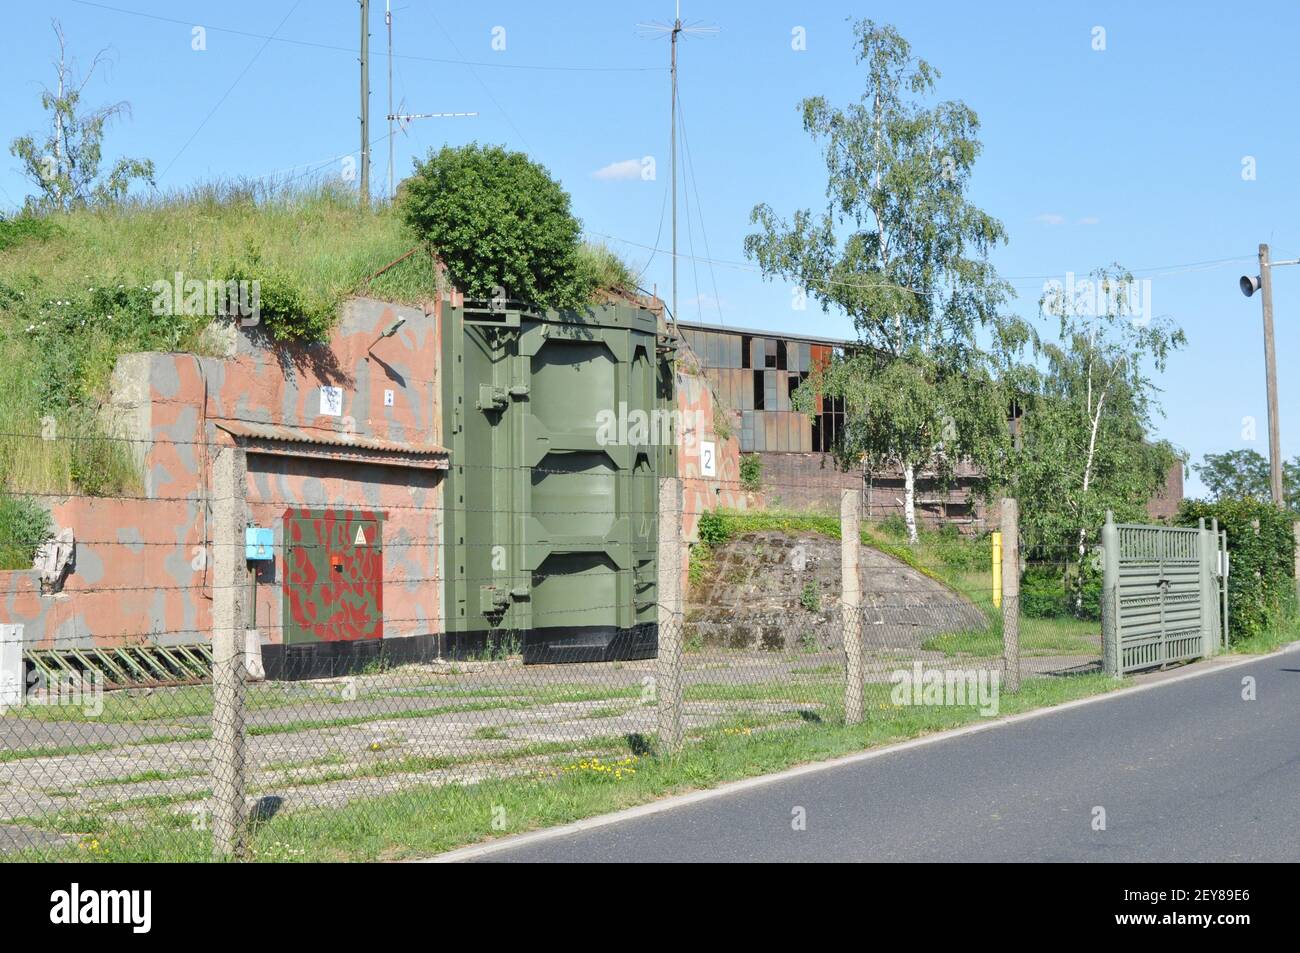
x=708, y=459
x=331, y=401
x=388, y=398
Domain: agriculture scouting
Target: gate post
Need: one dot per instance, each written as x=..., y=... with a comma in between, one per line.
x=1216, y=587
x=1110, y=629
x=1295, y=533
x=1225, y=572
x=1209, y=587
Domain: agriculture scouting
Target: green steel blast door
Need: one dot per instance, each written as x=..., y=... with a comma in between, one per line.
x=550, y=525
x=333, y=576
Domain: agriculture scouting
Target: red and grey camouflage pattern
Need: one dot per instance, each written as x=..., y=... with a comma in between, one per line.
x=143, y=570
x=333, y=579
x=696, y=403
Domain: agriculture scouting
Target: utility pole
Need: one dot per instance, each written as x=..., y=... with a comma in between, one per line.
x=1263, y=283
x=388, y=21
x=1270, y=371
x=365, y=103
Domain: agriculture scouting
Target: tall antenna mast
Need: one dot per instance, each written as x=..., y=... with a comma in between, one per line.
x=388, y=20
x=365, y=103
x=677, y=28
x=404, y=119
x=672, y=139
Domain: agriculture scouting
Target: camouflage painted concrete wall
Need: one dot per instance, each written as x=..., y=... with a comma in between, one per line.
x=695, y=403
x=143, y=570
x=143, y=565
x=133, y=580
x=410, y=501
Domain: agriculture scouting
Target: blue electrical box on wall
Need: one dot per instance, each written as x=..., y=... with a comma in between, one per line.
x=259, y=542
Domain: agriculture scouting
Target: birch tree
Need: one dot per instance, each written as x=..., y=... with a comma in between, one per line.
x=65, y=165
x=915, y=412
x=898, y=247
x=1087, y=446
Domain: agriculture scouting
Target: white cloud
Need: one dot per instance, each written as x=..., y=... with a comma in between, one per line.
x=1050, y=218
x=705, y=303
x=624, y=171
x=1090, y=220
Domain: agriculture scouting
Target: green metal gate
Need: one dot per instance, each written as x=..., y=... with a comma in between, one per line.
x=1160, y=594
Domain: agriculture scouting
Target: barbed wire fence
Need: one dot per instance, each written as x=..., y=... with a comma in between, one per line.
x=143, y=725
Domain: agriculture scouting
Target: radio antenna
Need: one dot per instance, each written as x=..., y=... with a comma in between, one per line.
x=673, y=30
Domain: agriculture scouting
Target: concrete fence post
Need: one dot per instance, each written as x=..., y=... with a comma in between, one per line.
x=13, y=686
x=229, y=594
x=1110, y=622
x=1011, y=594
x=668, y=678
x=851, y=605
x=997, y=570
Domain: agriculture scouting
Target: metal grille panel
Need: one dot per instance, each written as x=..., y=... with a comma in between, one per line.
x=1156, y=595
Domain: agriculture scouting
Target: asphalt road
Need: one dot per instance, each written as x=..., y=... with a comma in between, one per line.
x=1187, y=771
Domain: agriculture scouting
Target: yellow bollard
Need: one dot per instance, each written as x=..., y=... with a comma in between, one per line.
x=997, y=570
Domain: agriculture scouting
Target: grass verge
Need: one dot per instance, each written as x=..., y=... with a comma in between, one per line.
x=1270, y=639
x=426, y=819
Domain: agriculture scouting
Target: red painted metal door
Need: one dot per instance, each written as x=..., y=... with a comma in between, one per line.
x=333, y=575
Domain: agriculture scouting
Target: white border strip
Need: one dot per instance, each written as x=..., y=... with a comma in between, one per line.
x=475, y=851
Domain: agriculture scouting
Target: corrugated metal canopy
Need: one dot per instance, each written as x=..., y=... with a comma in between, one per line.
x=299, y=441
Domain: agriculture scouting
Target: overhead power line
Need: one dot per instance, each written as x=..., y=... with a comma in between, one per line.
x=355, y=51
x=1157, y=271
x=479, y=79
x=1162, y=271
x=224, y=96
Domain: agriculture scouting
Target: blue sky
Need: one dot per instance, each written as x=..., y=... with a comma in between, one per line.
x=1132, y=154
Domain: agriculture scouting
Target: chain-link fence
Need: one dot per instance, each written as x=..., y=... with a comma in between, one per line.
x=173, y=694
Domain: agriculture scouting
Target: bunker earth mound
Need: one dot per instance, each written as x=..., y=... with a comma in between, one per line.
x=778, y=591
